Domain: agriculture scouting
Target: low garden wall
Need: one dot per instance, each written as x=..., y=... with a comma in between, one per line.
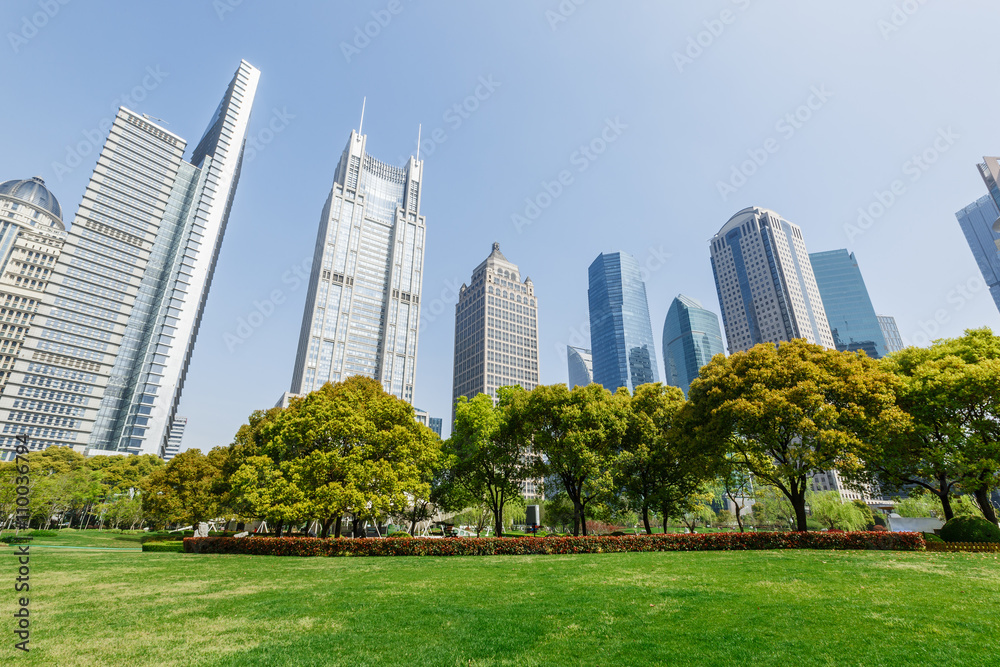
x=520, y=546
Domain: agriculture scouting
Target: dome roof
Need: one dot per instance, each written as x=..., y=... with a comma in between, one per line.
x=33, y=191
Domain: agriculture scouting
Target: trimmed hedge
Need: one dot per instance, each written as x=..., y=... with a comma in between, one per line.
x=172, y=547
x=970, y=529
x=494, y=546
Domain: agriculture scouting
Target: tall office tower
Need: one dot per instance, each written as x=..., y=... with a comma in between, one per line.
x=363, y=306
x=105, y=360
x=977, y=220
x=848, y=307
x=621, y=336
x=893, y=341
x=175, y=438
x=691, y=337
x=765, y=282
x=496, y=330
x=31, y=237
x=581, y=366
x=989, y=169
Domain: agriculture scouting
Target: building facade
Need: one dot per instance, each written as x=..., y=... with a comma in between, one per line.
x=362, y=311
x=175, y=438
x=765, y=282
x=496, y=330
x=581, y=366
x=691, y=337
x=621, y=335
x=977, y=220
x=848, y=307
x=32, y=235
x=893, y=341
x=104, y=363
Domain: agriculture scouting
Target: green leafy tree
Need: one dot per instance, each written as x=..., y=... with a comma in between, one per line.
x=657, y=468
x=788, y=412
x=490, y=449
x=830, y=509
x=183, y=490
x=952, y=393
x=578, y=433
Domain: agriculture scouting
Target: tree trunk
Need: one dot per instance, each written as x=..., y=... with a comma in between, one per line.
x=945, y=499
x=326, y=527
x=277, y=532
x=576, y=520
x=982, y=495
x=799, y=505
x=645, y=520
x=337, y=525
x=664, y=520
x=583, y=520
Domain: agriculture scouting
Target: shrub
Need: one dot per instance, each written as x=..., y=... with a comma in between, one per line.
x=879, y=520
x=970, y=529
x=879, y=528
x=15, y=539
x=499, y=546
x=931, y=537
x=172, y=547
x=401, y=534
x=834, y=530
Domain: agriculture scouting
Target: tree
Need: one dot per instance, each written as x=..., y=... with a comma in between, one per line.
x=829, y=509
x=578, y=434
x=268, y=492
x=657, y=468
x=183, y=490
x=737, y=486
x=490, y=449
x=788, y=412
x=951, y=391
x=349, y=448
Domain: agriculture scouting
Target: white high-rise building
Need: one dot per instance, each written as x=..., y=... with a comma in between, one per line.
x=363, y=307
x=765, y=282
x=496, y=330
x=175, y=438
x=104, y=363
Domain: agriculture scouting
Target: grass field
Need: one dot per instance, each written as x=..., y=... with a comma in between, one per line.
x=708, y=608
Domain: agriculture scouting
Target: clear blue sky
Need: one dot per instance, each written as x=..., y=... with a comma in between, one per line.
x=679, y=127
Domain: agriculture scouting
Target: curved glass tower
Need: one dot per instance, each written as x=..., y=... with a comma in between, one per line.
x=691, y=337
x=580, y=366
x=363, y=307
x=621, y=336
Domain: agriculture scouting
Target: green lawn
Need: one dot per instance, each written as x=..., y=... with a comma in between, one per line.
x=708, y=608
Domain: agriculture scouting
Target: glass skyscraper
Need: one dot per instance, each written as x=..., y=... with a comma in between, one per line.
x=580, y=365
x=849, y=309
x=104, y=363
x=621, y=335
x=893, y=341
x=976, y=221
x=691, y=337
x=765, y=282
x=363, y=307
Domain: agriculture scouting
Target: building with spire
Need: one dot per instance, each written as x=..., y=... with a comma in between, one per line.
x=496, y=330
x=103, y=365
x=362, y=310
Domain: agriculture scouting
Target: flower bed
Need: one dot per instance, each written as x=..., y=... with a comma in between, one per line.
x=493, y=546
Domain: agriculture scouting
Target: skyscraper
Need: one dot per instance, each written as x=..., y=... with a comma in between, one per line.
x=621, y=336
x=496, y=330
x=104, y=363
x=691, y=337
x=893, y=341
x=175, y=438
x=31, y=237
x=765, y=282
x=848, y=307
x=581, y=366
x=363, y=307
x=977, y=220
x=989, y=169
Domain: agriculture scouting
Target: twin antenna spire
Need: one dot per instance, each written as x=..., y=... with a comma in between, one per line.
x=361, y=125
